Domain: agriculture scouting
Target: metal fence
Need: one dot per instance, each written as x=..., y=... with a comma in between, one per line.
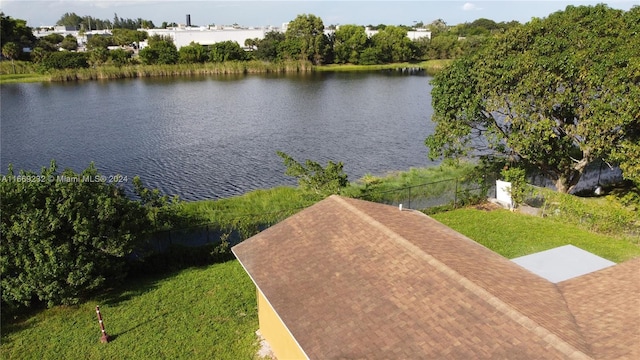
x=449, y=192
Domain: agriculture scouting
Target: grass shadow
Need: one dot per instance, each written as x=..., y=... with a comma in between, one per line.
x=144, y=323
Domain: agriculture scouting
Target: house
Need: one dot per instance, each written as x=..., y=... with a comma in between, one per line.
x=350, y=279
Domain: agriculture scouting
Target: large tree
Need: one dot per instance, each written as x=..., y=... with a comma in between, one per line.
x=15, y=31
x=556, y=93
x=161, y=50
x=305, y=39
x=393, y=44
x=269, y=48
x=11, y=51
x=349, y=42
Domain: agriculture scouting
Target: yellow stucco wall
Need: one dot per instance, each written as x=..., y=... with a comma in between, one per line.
x=282, y=344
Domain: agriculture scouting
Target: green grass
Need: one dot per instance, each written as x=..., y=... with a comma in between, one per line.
x=26, y=72
x=23, y=78
x=267, y=204
x=512, y=234
x=198, y=313
x=430, y=66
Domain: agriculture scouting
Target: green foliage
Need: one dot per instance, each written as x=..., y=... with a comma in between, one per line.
x=11, y=51
x=15, y=31
x=160, y=51
x=305, y=39
x=127, y=37
x=131, y=24
x=370, y=56
x=54, y=39
x=517, y=177
x=607, y=215
x=192, y=53
x=99, y=42
x=269, y=48
x=162, y=210
x=65, y=60
x=69, y=43
x=314, y=178
x=120, y=57
x=98, y=56
x=393, y=45
x=70, y=20
x=556, y=93
x=64, y=235
x=348, y=43
x=421, y=185
x=445, y=46
x=226, y=51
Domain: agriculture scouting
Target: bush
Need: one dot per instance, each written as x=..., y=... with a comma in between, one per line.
x=604, y=215
x=65, y=60
x=517, y=178
x=64, y=235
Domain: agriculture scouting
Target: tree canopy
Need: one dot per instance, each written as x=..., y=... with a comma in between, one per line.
x=348, y=43
x=64, y=234
x=15, y=31
x=305, y=39
x=556, y=93
x=315, y=179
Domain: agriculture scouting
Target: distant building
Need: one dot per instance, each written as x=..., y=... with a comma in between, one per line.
x=184, y=35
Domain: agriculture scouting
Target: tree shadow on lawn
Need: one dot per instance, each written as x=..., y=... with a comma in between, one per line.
x=24, y=318
x=146, y=322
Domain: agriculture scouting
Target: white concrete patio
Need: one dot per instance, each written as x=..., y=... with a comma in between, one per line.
x=562, y=263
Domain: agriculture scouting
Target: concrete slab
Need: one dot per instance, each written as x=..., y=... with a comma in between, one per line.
x=562, y=263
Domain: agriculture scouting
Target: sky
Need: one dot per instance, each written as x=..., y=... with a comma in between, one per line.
x=275, y=13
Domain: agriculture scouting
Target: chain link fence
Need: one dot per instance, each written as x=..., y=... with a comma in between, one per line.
x=443, y=193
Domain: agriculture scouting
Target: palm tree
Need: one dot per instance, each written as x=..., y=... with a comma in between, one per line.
x=11, y=51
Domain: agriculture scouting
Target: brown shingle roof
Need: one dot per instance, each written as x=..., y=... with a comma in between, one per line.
x=606, y=306
x=354, y=279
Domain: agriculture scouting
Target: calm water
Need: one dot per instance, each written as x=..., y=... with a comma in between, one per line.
x=204, y=138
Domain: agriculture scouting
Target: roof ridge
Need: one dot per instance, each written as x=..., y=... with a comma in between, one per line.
x=543, y=333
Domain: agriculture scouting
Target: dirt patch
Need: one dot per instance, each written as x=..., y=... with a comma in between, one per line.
x=487, y=206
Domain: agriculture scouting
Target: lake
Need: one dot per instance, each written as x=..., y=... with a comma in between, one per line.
x=215, y=137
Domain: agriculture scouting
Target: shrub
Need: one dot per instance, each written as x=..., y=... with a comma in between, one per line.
x=64, y=235
x=65, y=60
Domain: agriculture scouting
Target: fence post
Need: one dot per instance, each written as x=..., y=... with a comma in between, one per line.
x=409, y=207
x=455, y=196
x=104, y=338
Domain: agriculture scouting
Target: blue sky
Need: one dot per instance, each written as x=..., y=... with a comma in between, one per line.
x=261, y=13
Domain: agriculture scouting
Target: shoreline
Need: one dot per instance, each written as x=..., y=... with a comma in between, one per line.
x=430, y=67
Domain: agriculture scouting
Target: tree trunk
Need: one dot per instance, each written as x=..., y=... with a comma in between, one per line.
x=565, y=183
x=561, y=186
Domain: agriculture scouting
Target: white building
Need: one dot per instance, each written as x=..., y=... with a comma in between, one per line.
x=183, y=36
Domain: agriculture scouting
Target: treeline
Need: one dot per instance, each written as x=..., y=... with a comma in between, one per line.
x=304, y=40
x=88, y=23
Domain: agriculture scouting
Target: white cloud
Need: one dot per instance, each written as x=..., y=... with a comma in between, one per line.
x=469, y=7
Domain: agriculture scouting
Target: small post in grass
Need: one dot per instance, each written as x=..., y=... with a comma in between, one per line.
x=104, y=338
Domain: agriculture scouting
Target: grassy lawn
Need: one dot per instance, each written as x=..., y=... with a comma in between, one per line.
x=210, y=313
x=198, y=313
x=512, y=234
